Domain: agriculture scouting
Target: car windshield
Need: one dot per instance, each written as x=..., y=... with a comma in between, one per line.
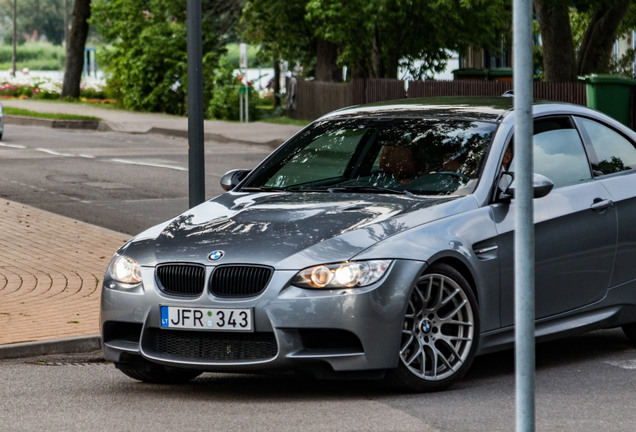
x=428, y=157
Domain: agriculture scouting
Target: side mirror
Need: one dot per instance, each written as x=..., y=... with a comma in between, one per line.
x=541, y=186
x=232, y=178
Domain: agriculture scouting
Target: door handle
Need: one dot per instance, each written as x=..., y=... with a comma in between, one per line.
x=600, y=205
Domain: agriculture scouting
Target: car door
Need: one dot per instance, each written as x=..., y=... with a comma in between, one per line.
x=613, y=157
x=575, y=227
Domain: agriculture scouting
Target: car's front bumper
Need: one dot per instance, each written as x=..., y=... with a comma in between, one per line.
x=352, y=329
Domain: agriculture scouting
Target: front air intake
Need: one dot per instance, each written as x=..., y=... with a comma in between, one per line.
x=184, y=280
x=239, y=281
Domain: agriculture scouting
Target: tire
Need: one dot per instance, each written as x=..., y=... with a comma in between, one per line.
x=630, y=331
x=148, y=372
x=440, y=333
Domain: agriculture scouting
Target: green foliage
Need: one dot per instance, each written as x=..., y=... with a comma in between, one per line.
x=281, y=30
x=147, y=59
x=374, y=35
x=225, y=101
x=35, y=18
x=33, y=55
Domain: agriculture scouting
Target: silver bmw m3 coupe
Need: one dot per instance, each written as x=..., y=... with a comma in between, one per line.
x=378, y=243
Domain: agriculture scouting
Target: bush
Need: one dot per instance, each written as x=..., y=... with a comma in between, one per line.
x=147, y=61
x=33, y=55
x=226, y=91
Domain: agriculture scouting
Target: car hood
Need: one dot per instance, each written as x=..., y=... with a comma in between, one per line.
x=287, y=230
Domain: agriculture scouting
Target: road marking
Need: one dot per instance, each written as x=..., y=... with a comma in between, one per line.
x=623, y=364
x=148, y=164
x=54, y=153
x=123, y=161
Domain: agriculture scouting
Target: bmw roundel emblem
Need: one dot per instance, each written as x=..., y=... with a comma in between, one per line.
x=216, y=255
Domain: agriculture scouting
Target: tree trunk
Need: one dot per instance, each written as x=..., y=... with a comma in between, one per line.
x=75, y=49
x=326, y=62
x=559, y=60
x=599, y=38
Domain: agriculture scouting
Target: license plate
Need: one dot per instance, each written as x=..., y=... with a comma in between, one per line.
x=207, y=319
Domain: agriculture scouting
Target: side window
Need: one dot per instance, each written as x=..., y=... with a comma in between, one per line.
x=559, y=153
x=614, y=152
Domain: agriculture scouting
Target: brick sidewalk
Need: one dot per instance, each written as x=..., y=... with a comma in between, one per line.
x=51, y=270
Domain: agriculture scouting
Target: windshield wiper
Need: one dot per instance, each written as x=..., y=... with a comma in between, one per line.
x=264, y=189
x=369, y=189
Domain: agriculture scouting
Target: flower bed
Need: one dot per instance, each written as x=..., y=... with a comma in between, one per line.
x=25, y=86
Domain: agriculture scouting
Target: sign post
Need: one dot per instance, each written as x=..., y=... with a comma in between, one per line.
x=243, y=65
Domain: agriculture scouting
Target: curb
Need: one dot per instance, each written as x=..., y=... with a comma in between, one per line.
x=103, y=126
x=72, y=345
x=52, y=123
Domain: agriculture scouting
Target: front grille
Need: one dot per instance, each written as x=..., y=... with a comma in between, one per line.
x=186, y=280
x=239, y=281
x=210, y=346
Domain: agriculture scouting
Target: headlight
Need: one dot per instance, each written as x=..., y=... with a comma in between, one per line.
x=352, y=274
x=125, y=270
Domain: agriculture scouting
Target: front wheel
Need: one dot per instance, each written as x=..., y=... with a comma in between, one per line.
x=440, y=332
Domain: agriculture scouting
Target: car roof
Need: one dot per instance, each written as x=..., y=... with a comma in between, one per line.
x=475, y=108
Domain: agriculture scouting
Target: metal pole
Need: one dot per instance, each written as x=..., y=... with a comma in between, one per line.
x=524, y=228
x=196, y=150
x=247, y=99
x=15, y=36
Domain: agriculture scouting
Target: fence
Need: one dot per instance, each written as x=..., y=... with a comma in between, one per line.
x=314, y=98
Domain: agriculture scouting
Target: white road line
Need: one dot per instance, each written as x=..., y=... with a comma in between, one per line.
x=54, y=153
x=148, y=164
x=624, y=364
x=122, y=161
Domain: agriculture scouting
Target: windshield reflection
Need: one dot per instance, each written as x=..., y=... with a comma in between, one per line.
x=427, y=157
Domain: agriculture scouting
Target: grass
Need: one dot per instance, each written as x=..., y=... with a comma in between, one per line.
x=285, y=121
x=54, y=116
x=33, y=55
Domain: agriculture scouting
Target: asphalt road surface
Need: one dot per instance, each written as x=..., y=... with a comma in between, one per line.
x=123, y=182
x=130, y=182
x=586, y=383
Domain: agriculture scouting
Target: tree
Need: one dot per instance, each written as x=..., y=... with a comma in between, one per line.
x=75, y=49
x=280, y=29
x=147, y=60
x=562, y=60
x=42, y=18
x=375, y=36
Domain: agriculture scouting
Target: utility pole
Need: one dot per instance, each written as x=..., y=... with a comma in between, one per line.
x=196, y=150
x=524, y=224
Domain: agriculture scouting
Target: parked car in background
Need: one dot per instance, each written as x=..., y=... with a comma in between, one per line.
x=378, y=242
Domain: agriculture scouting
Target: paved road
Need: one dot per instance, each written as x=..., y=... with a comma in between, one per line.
x=584, y=384
x=124, y=182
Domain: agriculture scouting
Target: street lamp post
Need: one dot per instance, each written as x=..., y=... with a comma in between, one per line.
x=196, y=149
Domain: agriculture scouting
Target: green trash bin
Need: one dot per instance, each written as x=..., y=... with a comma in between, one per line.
x=609, y=94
